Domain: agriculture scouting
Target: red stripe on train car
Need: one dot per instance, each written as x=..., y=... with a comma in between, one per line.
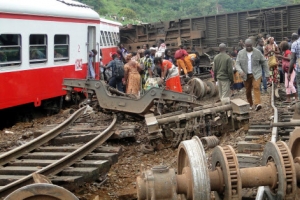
x=33, y=86
x=47, y=18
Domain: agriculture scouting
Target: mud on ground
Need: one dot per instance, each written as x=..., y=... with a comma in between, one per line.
x=120, y=182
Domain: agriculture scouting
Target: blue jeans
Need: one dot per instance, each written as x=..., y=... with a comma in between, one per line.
x=298, y=83
x=264, y=80
x=116, y=83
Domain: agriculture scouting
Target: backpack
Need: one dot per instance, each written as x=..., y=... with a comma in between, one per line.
x=179, y=54
x=118, y=69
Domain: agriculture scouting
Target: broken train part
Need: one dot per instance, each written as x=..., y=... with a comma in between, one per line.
x=204, y=121
x=279, y=173
x=108, y=99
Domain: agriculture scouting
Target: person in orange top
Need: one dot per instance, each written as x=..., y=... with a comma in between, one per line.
x=188, y=60
x=180, y=54
x=169, y=73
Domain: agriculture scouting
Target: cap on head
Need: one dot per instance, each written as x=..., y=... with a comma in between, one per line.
x=152, y=49
x=114, y=54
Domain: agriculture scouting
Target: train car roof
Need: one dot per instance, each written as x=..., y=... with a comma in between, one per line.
x=56, y=8
x=110, y=22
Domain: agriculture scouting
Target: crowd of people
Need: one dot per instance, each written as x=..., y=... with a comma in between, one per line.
x=256, y=64
x=148, y=67
x=258, y=67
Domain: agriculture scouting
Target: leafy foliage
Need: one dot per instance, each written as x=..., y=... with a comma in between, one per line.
x=154, y=10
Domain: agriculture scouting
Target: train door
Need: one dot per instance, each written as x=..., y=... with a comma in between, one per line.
x=91, y=44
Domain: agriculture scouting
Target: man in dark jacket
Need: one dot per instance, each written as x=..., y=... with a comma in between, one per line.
x=115, y=81
x=223, y=72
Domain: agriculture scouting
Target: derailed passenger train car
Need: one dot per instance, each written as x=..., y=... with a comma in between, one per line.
x=204, y=34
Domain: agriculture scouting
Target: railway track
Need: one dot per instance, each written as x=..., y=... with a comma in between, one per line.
x=68, y=165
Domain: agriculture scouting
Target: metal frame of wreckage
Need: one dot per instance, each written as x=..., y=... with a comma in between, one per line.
x=124, y=102
x=192, y=119
x=204, y=34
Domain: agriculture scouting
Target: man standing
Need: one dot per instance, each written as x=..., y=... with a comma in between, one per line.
x=117, y=68
x=295, y=58
x=223, y=72
x=260, y=47
x=250, y=63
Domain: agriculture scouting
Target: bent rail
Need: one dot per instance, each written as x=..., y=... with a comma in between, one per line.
x=62, y=163
x=17, y=152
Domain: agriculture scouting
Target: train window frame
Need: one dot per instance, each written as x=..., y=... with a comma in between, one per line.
x=45, y=44
x=18, y=45
x=101, y=42
x=103, y=38
x=67, y=44
x=116, y=38
x=106, y=37
x=113, y=38
x=110, y=38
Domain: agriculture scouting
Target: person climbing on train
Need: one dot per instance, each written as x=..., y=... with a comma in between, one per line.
x=169, y=74
x=250, y=63
x=117, y=67
x=91, y=70
x=180, y=54
x=223, y=72
x=288, y=83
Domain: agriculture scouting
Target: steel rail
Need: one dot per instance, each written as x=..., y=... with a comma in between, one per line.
x=64, y=162
x=262, y=190
x=37, y=142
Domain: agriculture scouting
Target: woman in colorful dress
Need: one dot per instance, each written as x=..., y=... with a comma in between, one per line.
x=169, y=73
x=132, y=78
x=271, y=49
x=289, y=84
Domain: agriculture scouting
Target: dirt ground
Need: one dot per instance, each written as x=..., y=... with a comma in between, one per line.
x=121, y=180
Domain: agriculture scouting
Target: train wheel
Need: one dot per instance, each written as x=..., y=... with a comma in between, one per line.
x=41, y=191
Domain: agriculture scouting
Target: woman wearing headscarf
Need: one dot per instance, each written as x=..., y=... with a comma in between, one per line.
x=270, y=51
x=169, y=73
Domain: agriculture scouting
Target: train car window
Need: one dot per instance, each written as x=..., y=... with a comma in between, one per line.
x=114, y=38
x=101, y=41
x=117, y=38
x=106, y=38
x=37, y=48
x=61, y=47
x=10, y=50
x=103, y=38
x=110, y=38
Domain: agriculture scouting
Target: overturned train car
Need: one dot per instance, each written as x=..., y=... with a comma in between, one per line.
x=204, y=34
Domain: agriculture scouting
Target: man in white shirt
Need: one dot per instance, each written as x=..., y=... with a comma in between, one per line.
x=249, y=64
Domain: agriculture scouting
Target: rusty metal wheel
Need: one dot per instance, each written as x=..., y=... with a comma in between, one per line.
x=294, y=143
x=41, y=191
x=225, y=158
x=212, y=88
x=191, y=156
x=196, y=87
x=279, y=154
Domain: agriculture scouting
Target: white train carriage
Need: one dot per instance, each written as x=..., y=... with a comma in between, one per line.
x=41, y=43
x=109, y=38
